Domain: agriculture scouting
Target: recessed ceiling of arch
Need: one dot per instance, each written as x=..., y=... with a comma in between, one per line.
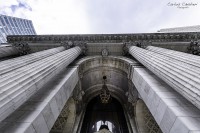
x=116, y=69
x=115, y=78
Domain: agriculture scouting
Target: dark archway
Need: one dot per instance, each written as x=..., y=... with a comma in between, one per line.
x=110, y=112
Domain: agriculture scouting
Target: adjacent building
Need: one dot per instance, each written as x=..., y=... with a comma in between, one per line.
x=195, y=28
x=14, y=26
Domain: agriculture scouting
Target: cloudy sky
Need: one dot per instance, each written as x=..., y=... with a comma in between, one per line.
x=103, y=16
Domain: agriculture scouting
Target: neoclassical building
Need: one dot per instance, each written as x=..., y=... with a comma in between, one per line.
x=119, y=83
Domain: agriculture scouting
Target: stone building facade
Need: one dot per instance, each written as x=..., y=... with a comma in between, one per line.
x=129, y=83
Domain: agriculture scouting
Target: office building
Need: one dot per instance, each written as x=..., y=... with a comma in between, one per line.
x=14, y=26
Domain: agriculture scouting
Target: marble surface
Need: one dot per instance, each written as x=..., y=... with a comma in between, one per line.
x=172, y=112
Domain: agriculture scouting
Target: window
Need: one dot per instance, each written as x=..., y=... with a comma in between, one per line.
x=2, y=21
x=6, y=19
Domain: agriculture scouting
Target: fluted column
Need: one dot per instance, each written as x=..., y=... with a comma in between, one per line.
x=193, y=60
x=176, y=70
x=7, y=50
x=11, y=64
x=18, y=85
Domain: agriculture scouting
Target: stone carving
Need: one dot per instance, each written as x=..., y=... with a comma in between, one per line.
x=104, y=52
x=150, y=122
x=70, y=44
x=194, y=48
x=82, y=45
x=141, y=44
x=78, y=95
x=108, y=38
x=22, y=47
x=61, y=120
x=132, y=97
x=67, y=45
x=126, y=46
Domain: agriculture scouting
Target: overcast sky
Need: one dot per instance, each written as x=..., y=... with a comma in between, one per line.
x=103, y=16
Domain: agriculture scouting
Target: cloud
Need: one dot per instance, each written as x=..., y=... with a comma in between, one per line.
x=20, y=5
x=101, y=16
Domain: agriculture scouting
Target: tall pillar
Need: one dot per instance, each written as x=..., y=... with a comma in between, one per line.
x=7, y=50
x=194, y=61
x=175, y=69
x=20, y=84
x=11, y=64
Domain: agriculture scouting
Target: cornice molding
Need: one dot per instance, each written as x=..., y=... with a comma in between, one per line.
x=106, y=37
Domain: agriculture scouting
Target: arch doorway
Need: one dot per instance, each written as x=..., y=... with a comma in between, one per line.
x=99, y=115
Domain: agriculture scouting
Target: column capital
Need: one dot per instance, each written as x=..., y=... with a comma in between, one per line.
x=194, y=47
x=141, y=44
x=70, y=44
x=22, y=47
x=82, y=45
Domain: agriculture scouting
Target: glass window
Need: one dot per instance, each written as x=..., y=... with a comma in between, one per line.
x=19, y=31
x=6, y=29
x=21, y=21
x=29, y=25
x=28, y=33
x=32, y=33
x=18, y=23
x=12, y=32
x=11, y=22
x=15, y=22
x=25, y=23
x=2, y=21
x=6, y=19
x=25, y=31
x=16, y=33
x=2, y=30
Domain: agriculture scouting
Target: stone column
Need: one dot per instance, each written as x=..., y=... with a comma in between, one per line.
x=7, y=50
x=19, y=85
x=11, y=64
x=175, y=69
x=193, y=60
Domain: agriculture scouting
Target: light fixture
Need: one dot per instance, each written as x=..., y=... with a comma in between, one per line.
x=104, y=93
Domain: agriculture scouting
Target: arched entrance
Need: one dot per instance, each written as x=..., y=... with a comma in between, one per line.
x=117, y=114
x=110, y=114
x=116, y=69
